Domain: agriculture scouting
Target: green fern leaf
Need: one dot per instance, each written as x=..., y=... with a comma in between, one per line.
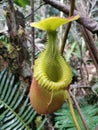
x=15, y=112
x=64, y=121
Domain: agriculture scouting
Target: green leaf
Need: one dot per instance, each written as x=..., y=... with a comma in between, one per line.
x=22, y=3
x=15, y=112
x=63, y=119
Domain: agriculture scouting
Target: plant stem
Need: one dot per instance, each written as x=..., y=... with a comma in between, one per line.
x=72, y=110
x=79, y=111
x=32, y=29
x=72, y=5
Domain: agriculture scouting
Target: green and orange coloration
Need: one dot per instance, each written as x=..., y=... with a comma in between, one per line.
x=52, y=74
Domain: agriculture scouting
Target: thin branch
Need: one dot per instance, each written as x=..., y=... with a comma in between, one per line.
x=72, y=5
x=90, y=45
x=35, y=10
x=39, y=6
x=87, y=22
x=75, y=86
x=32, y=29
x=79, y=111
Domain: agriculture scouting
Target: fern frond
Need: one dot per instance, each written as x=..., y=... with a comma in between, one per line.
x=15, y=112
x=63, y=120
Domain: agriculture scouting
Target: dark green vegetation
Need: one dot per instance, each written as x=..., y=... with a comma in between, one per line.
x=15, y=109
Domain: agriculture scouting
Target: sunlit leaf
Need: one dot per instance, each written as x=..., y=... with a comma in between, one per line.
x=22, y=3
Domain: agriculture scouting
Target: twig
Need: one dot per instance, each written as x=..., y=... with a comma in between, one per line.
x=35, y=10
x=79, y=111
x=39, y=6
x=32, y=29
x=72, y=5
x=87, y=22
x=90, y=45
x=75, y=86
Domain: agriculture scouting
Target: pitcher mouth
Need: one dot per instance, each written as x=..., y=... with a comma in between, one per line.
x=44, y=79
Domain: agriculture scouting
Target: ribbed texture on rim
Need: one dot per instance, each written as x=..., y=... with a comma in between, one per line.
x=42, y=68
